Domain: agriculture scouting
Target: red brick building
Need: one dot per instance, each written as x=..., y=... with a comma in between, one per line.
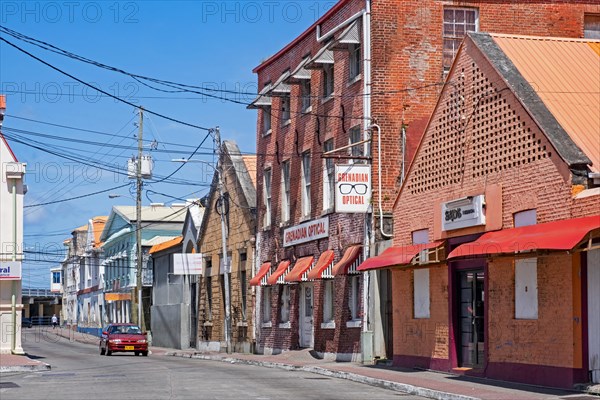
x=495, y=263
x=365, y=71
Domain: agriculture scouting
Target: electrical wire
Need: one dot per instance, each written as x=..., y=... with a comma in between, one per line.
x=100, y=90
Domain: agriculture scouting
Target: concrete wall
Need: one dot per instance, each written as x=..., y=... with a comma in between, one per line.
x=170, y=325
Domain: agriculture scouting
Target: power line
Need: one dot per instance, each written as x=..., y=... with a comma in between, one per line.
x=87, y=130
x=100, y=90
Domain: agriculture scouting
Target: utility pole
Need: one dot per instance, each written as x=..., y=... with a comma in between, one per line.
x=226, y=266
x=138, y=228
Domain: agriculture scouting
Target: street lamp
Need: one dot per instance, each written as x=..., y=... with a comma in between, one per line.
x=222, y=211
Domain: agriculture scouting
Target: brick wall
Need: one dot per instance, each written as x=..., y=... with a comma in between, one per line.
x=444, y=170
x=241, y=228
x=421, y=337
x=407, y=61
x=548, y=340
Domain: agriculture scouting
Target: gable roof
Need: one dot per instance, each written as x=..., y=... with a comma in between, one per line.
x=554, y=78
x=166, y=245
x=563, y=138
x=150, y=214
x=97, y=228
x=242, y=176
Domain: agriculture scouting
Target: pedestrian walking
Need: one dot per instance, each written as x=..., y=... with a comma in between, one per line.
x=54, y=321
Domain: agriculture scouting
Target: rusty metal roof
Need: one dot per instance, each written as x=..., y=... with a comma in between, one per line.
x=565, y=74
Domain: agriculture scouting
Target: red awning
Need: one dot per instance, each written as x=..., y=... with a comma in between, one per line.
x=322, y=263
x=396, y=256
x=302, y=265
x=557, y=235
x=263, y=270
x=281, y=268
x=350, y=255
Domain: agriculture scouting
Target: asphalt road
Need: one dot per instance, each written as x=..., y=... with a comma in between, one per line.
x=80, y=373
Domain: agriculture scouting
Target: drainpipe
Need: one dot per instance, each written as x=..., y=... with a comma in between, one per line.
x=13, y=345
x=387, y=235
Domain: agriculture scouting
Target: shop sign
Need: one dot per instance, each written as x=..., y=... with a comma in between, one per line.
x=352, y=188
x=10, y=270
x=187, y=264
x=306, y=232
x=463, y=213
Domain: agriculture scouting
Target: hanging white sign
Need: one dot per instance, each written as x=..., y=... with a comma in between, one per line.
x=188, y=264
x=352, y=188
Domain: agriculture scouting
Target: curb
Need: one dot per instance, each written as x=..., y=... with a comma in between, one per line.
x=25, y=368
x=382, y=383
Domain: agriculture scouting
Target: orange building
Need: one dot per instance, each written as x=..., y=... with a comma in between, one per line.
x=495, y=263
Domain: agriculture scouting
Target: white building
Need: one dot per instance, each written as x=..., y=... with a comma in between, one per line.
x=12, y=191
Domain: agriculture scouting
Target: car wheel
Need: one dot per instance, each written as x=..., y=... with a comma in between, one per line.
x=102, y=351
x=145, y=353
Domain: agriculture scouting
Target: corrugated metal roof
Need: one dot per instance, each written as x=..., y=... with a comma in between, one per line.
x=153, y=213
x=250, y=162
x=565, y=75
x=166, y=245
x=157, y=240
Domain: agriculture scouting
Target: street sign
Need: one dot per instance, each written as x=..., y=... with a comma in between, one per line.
x=352, y=188
x=10, y=270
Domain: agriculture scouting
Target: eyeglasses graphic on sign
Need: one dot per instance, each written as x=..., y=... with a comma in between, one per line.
x=359, y=188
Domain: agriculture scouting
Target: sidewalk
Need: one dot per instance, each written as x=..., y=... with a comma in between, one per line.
x=422, y=383
x=15, y=363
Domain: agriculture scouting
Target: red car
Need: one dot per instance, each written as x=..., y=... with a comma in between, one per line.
x=123, y=338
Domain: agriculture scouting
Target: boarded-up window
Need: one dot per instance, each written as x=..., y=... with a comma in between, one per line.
x=526, y=290
x=421, y=293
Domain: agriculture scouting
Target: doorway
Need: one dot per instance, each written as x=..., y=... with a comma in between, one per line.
x=471, y=321
x=306, y=315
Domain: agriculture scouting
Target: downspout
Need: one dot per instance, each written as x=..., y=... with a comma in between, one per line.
x=387, y=235
x=13, y=345
x=368, y=233
x=329, y=34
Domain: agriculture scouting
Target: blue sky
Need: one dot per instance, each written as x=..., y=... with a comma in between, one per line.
x=213, y=44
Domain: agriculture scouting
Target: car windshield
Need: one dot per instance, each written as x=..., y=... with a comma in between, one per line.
x=126, y=329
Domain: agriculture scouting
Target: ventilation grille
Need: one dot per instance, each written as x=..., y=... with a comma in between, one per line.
x=441, y=162
x=475, y=134
x=501, y=140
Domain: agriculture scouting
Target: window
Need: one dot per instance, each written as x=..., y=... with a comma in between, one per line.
x=525, y=218
x=285, y=109
x=306, y=184
x=267, y=197
x=56, y=277
x=328, y=178
x=284, y=304
x=328, y=81
x=358, y=150
x=591, y=26
x=355, y=61
x=328, y=301
x=285, y=191
x=457, y=22
x=266, y=119
x=266, y=304
x=243, y=284
x=305, y=95
x=209, y=298
x=526, y=290
x=354, y=300
x=420, y=236
x=421, y=300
